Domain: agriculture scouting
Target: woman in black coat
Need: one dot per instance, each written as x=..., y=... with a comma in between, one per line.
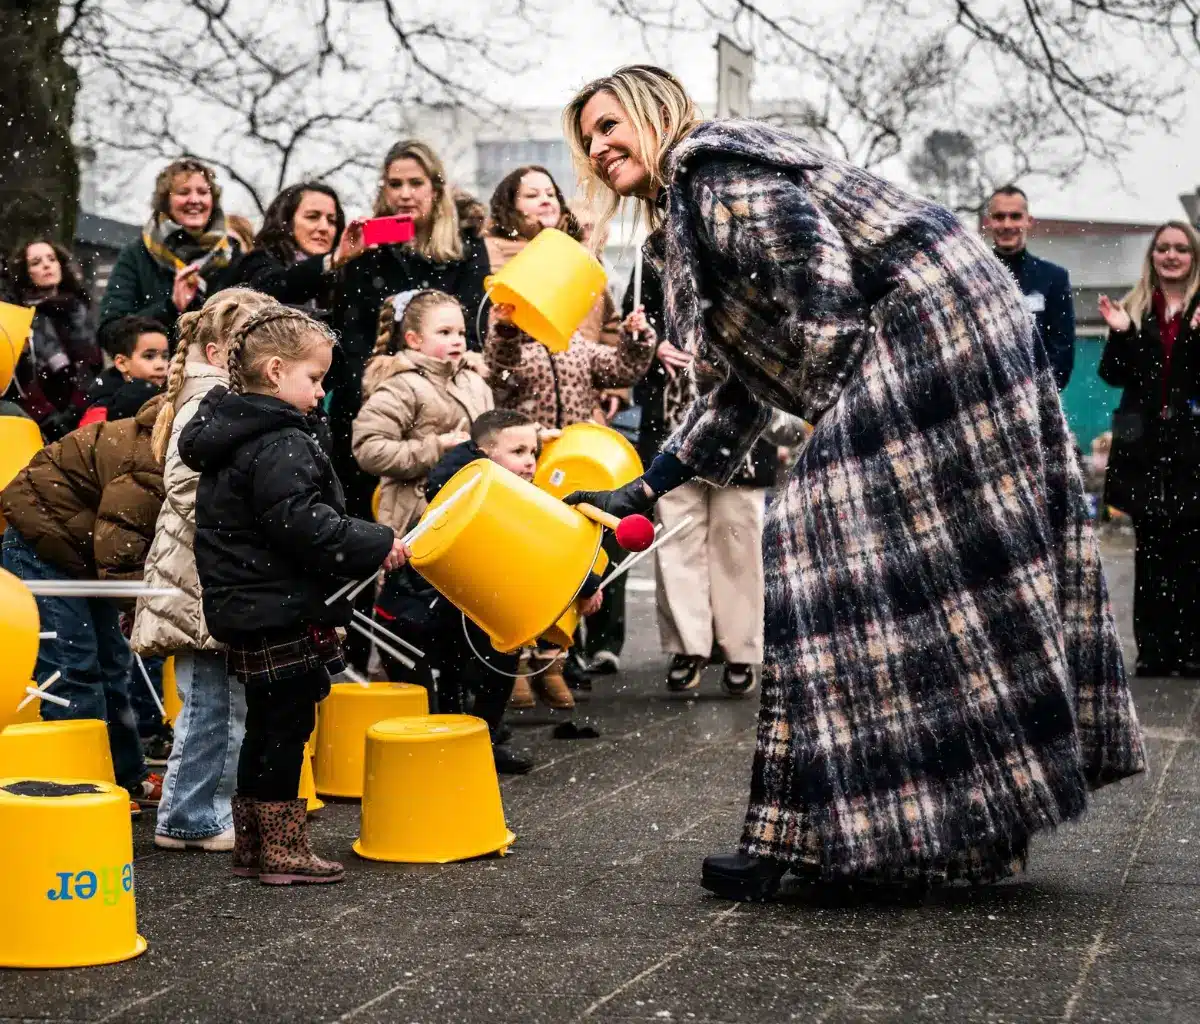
x=1153, y=355
x=183, y=255
x=304, y=241
x=57, y=364
x=441, y=256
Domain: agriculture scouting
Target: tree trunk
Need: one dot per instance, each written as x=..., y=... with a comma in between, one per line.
x=39, y=170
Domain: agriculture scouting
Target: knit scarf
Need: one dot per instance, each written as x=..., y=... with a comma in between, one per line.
x=174, y=246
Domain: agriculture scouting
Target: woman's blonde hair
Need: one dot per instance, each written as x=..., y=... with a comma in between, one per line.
x=214, y=323
x=441, y=241
x=390, y=336
x=1141, y=296
x=661, y=113
x=277, y=330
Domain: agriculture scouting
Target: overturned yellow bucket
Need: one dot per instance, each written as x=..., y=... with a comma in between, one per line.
x=73, y=749
x=15, y=325
x=587, y=457
x=19, y=642
x=67, y=864
x=509, y=555
x=430, y=792
x=551, y=284
x=20, y=441
x=345, y=716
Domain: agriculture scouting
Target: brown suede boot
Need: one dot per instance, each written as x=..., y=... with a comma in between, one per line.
x=287, y=858
x=550, y=685
x=247, y=847
x=521, y=698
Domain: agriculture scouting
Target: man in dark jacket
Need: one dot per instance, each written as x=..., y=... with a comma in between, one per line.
x=1045, y=285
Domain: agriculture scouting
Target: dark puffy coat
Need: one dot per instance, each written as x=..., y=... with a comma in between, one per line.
x=273, y=540
x=1154, y=468
x=88, y=504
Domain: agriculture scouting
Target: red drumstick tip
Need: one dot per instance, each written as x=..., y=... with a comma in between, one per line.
x=635, y=533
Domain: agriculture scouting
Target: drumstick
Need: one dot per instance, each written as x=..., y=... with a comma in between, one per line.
x=40, y=691
x=388, y=633
x=150, y=686
x=598, y=516
x=404, y=659
x=425, y=524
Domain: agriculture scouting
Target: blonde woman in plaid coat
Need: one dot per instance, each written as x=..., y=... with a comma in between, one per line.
x=942, y=677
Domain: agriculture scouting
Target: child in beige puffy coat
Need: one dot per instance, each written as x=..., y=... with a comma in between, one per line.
x=422, y=390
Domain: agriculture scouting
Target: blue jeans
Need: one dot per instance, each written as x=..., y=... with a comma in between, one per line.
x=202, y=767
x=92, y=655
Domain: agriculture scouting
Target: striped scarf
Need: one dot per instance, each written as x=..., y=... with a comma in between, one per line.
x=174, y=246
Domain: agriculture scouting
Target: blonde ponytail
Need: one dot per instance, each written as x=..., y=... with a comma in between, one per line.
x=160, y=437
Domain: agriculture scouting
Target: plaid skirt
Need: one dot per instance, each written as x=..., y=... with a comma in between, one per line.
x=276, y=659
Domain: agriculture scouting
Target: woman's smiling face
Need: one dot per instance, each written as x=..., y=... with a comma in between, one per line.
x=612, y=146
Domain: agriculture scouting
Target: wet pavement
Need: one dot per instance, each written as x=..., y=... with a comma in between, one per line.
x=597, y=913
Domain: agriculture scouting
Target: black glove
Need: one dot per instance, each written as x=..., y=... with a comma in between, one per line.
x=629, y=500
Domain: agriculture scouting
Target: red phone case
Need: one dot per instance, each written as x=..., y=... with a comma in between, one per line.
x=388, y=230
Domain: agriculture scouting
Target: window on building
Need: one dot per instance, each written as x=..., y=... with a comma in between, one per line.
x=496, y=159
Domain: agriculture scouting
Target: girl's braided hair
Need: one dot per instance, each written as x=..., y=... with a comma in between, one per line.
x=390, y=336
x=275, y=331
x=221, y=315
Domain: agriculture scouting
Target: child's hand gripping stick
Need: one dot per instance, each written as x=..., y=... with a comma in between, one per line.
x=634, y=533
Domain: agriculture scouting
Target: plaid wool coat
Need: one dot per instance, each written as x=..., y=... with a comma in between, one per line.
x=943, y=677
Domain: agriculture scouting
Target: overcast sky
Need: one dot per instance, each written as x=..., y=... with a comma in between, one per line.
x=1159, y=168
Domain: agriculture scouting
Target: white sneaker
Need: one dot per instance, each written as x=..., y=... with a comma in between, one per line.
x=221, y=843
x=604, y=663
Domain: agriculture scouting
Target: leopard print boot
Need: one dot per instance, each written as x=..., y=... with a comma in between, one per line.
x=287, y=858
x=247, y=847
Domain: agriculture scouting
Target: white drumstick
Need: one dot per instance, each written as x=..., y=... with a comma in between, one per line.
x=150, y=686
x=40, y=691
x=424, y=525
x=404, y=659
x=375, y=624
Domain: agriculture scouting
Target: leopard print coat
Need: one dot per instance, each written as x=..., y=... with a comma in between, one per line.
x=560, y=388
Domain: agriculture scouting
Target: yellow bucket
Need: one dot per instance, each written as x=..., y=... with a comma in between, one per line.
x=170, y=695
x=562, y=633
x=72, y=749
x=587, y=457
x=67, y=864
x=308, y=783
x=376, y=495
x=20, y=441
x=552, y=284
x=430, y=792
x=18, y=641
x=15, y=325
x=508, y=554
x=345, y=716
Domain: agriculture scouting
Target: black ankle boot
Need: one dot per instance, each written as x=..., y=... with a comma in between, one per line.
x=738, y=876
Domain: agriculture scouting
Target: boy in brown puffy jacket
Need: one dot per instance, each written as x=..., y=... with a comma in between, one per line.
x=85, y=508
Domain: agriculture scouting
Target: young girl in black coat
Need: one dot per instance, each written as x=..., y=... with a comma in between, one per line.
x=273, y=541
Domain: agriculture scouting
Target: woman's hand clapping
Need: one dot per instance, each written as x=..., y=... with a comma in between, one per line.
x=1114, y=315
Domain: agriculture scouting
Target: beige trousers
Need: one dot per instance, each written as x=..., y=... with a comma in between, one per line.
x=710, y=576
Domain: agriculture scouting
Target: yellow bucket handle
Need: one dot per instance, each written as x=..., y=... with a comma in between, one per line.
x=500, y=671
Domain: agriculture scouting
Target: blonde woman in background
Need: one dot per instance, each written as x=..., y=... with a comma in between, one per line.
x=1153, y=355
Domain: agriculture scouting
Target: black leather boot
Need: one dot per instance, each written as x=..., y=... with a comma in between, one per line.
x=738, y=876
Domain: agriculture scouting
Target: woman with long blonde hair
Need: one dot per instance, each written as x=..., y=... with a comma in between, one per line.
x=1153, y=355
x=942, y=675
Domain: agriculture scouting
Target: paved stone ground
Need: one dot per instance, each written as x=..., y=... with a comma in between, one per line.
x=597, y=913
